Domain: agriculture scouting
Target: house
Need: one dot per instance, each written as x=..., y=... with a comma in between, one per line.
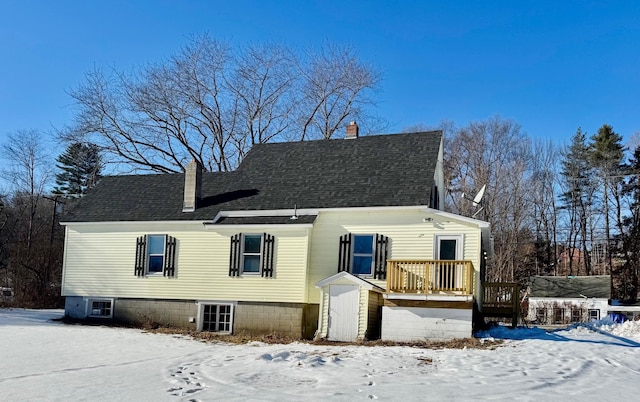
x=568, y=299
x=342, y=239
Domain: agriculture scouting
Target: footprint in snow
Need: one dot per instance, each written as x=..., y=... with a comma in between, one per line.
x=186, y=380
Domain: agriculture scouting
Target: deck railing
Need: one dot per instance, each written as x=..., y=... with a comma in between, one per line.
x=501, y=299
x=430, y=276
x=501, y=295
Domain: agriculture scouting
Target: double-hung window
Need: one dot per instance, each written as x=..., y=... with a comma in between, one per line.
x=363, y=246
x=155, y=255
x=364, y=255
x=251, y=254
x=155, y=251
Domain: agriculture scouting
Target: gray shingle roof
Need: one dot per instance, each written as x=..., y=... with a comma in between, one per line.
x=382, y=170
x=571, y=286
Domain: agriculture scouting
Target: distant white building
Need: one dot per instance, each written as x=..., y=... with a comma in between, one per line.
x=568, y=299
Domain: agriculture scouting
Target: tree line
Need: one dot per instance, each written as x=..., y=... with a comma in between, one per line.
x=554, y=209
x=31, y=239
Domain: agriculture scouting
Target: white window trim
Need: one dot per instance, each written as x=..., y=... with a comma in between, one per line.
x=459, y=245
x=148, y=256
x=200, y=321
x=89, y=310
x=243, y=253
x=373, y=253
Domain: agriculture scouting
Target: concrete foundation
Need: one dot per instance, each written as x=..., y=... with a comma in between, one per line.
x=294, y=320
x=288, y=319
x=406, y=324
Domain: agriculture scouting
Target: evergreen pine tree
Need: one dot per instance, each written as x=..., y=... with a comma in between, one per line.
x=577, y=173
x=80, y=167
x=631, y=236
x=607, y=154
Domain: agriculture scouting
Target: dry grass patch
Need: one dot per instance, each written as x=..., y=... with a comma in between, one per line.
x=274, y=338
x=243, y=338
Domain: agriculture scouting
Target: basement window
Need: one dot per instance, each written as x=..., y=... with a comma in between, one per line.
x=100, y=308
x=216, y=317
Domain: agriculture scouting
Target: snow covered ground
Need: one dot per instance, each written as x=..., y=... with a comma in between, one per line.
x=42, y=360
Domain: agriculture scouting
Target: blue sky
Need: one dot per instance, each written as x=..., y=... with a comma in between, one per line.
x=550, y=65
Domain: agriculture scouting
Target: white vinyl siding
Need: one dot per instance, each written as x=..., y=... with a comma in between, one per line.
x=100, y=259
x=323, y=323
x=409, y=238
x=363, y=312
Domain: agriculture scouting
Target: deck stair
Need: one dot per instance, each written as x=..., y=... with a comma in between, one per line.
x=501, y=299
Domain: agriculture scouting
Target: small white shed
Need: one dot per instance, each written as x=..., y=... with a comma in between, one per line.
x=349, y=308
x=557, y=300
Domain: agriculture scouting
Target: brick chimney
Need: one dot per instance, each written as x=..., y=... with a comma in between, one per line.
x=192, y=186
x=352, y=130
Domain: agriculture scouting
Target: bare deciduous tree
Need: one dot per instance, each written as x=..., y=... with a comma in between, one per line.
x=497, y=154
x=32, y=243
x=211, y=104
x=543, y=191
x=334, y=87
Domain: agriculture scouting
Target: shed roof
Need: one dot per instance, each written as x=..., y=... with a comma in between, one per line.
x=570, y=286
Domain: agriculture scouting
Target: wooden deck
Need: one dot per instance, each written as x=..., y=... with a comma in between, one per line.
x=501, y=299
x=430, y=276
x=453, y=278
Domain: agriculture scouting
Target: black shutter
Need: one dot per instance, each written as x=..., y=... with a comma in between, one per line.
x=141, y=255
x=267, y=256
x=344, y=257
x=170, y=257
x=380, y=257
x=234, y=258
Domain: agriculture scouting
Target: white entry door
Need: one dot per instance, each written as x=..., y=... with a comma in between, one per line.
x=448, y=247
x=343, y=312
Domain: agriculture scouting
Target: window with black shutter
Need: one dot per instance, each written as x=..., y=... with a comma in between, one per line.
x=251, y=254
x=155, y=255
x=364, y=255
